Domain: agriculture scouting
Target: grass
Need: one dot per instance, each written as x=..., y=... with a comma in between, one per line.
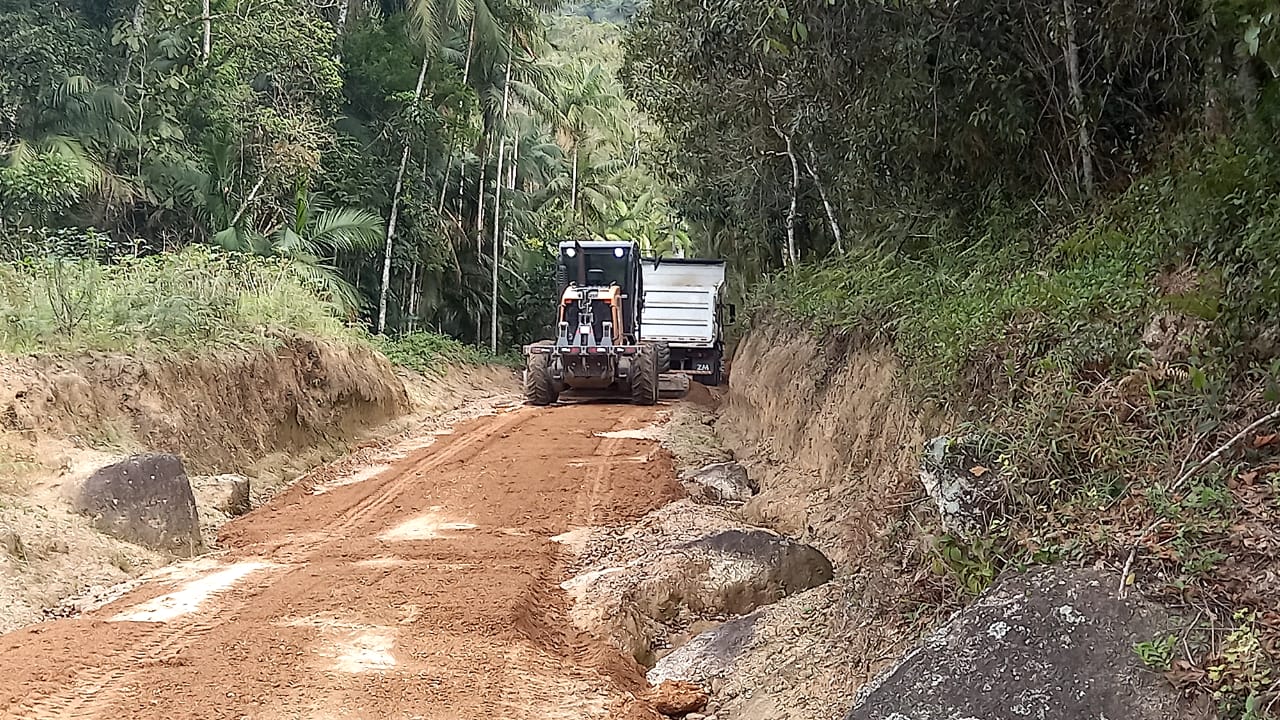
x=188, y=300
x=428, y=352
x=1030, y=332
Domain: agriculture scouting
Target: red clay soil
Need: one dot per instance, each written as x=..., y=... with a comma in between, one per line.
x=429, y=591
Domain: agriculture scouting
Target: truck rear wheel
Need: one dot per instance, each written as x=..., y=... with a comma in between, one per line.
x=644, y=377
x=717, y=371
x=664, y=357
x=538, y=387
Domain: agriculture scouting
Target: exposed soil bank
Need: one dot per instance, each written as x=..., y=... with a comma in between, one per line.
x=829, y=432
x=270, y=414
x=831, y=438
x=220, y=411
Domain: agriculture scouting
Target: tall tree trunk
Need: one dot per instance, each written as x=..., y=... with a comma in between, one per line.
x=413, y=297
x=453, y=134
x=792, y=256
x=206, y=20
x=395, y=214
x=1072, y=51
x=480, y=202
x=573, y=185
x=497, y=242
x=344, y=10
x=812, y=164
x=497, y=208
x=253, y=194
x=515, y=160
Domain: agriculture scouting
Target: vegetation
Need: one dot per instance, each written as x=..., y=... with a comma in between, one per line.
x=391, y=153
x=187, y=300
x=1060, y=215
x=429, y=352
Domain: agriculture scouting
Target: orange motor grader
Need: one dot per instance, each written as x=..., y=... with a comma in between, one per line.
x=597, y=351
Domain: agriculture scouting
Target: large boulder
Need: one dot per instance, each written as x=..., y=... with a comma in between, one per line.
x=639, y=606
x=965, y=487
x=144, y=499
x=1051, y=644
x=725, y=482
x=709, y=655
x=745, y=569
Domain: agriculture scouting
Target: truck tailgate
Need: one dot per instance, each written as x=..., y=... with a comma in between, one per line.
x=683, y=316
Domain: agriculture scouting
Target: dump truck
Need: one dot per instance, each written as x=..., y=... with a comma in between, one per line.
x=599, y=349
x=684, y=314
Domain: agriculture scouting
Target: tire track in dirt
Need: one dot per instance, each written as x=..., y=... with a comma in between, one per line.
x=545, y=600
x=430, y=590
x=396, y=485
x=92, y=689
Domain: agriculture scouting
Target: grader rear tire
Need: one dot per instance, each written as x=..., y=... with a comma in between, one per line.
x=644, y=377
x=538, y=387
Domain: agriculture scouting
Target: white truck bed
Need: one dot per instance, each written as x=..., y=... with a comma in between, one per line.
x=680, y=302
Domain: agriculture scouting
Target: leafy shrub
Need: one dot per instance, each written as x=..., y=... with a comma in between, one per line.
x=429, y=352
x=192, y=299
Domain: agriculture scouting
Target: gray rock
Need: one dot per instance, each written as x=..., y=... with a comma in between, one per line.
x=144, y=499
x=227, y=494
x=1051, y=644
x=709, y=655
x=723, y=483
x=751, y=568
x=637, y=607
x=966, y=488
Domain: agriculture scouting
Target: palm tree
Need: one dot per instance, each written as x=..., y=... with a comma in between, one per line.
x=586, y=103
x=311, y=239
x=73, y=122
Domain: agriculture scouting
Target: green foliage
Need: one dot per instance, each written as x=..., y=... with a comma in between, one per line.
x=1243, y=671
x=33, y=191
x=297, y=137
x=972, y=565
x=957, y=306
x=428, y=352
x=913, y=123
x=1157, y=654
x=182, y=301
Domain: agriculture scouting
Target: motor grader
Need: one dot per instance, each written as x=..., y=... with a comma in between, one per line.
x=597, y=351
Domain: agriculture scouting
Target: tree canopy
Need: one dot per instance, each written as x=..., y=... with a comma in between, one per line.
x=370, y=144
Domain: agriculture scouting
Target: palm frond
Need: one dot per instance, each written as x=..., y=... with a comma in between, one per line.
x=346, y=230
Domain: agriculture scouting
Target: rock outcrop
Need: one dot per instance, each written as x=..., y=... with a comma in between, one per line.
x=228, y=494
x=725, y=482
x=640, y=599
x=741, y=570
x=144, y=499
x=709, y=655
x=966, y=488
x=1053, y=644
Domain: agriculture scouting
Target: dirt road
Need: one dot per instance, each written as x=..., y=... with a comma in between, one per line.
x=426, y=590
